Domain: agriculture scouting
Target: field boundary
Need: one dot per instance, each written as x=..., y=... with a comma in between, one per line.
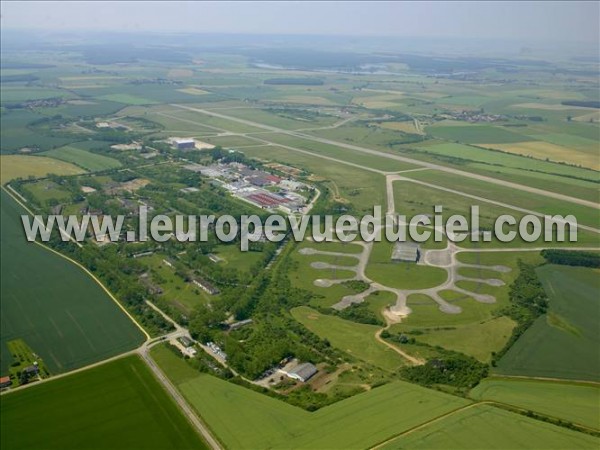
x=543, y=379
x=504, y=406
x=70, y=372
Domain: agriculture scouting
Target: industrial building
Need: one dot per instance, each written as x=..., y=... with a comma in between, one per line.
x=183, y=143
x=302, y=372
x=406, y=252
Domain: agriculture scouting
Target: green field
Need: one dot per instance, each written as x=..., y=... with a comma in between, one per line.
x=243, y=419
x=486, y=427
x=521, y=199
x=54, y=306
x=119, y=405
x=338, y=152
x=421, y=199
x=477, y=339
x=373, y=114
x=83, y=158
x=577, y=403
x=356, y=339
x=21, y=166
x=279, y=120
x=563, y=343
x=474, y=134
x=176, y=291
x=476, y=331
x=303, y=275
x=17, y=134
x=127, y=99
x=233, y=257
x=401, y=275
x=496, y=158
x=45, y=190
x=23, y=93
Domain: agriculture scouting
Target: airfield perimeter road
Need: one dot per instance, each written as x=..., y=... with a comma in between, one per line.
x=394, y=157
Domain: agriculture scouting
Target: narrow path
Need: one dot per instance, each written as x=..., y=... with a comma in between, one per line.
x=412, y=359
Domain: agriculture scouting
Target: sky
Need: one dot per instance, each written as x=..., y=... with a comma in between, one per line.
x=560, y=21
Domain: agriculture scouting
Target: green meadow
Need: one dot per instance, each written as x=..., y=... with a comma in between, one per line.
x=356, y=339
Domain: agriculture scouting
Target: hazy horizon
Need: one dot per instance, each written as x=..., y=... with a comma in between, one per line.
x=525, y=21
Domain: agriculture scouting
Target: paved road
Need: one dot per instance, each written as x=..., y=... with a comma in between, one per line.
x=397, y=158
x=66, y=374
x=143, y=351
x=181, y=402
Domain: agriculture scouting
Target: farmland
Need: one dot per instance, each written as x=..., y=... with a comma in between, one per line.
x=577, y=403
x=20, y=166
x=479, y=154
x=491, y=428
x=564, y=342
x=474, y=134
x=246, y=419
x=408, y=354
x=126, y=405
x=69, y=324
x=83, y=158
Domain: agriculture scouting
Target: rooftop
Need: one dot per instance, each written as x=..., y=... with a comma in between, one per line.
x=405, y=251
x=303, y=371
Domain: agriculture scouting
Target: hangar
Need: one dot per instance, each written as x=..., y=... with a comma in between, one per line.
x=406, y=252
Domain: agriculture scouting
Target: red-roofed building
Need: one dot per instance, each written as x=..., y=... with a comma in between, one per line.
x=5, y=382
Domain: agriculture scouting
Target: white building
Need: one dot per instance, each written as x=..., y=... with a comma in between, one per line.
x=183, y=143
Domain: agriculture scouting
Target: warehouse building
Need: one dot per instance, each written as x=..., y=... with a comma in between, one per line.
x=302, y=372
x=183, y=143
